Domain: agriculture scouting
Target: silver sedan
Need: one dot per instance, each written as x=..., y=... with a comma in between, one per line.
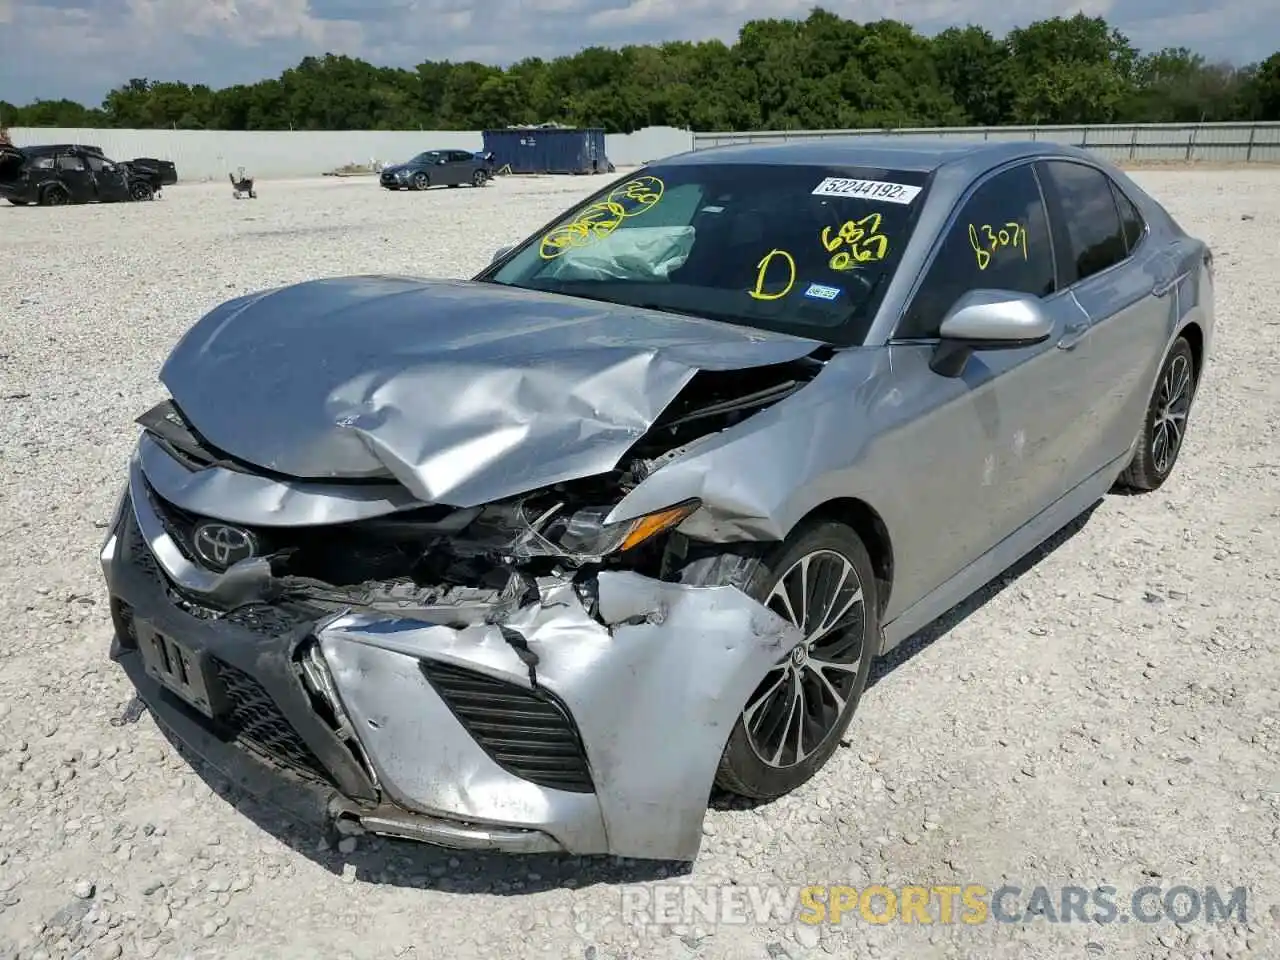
x=530, y=562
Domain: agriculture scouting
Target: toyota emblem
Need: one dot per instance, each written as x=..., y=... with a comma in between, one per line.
x=221, y=546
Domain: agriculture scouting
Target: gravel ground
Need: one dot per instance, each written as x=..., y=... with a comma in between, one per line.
x=1108, y=714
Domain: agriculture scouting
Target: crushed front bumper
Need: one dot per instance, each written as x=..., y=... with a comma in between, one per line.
x=553, y=730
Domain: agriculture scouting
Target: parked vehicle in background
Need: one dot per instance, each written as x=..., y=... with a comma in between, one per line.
x=438, y=168
x=162, y=173
x=528, y=562
x=57, y=174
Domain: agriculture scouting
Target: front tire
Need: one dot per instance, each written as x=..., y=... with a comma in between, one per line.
x=141, y=192
x=1165, y=426
x=822, y=580
x=421, y=181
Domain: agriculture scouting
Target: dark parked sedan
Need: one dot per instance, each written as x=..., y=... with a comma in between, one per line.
x=437, y=168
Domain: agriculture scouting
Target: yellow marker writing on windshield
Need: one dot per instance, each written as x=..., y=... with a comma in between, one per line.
x=863, y=238
x=762, y=269
x=985, y=240
x=601, y=218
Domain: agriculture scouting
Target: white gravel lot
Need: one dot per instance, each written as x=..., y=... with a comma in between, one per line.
x=1109, y=716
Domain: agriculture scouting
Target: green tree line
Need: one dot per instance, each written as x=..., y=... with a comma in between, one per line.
x=823, y=72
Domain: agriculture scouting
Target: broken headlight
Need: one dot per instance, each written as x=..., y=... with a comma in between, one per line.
x=584, y=533
x=581, y=534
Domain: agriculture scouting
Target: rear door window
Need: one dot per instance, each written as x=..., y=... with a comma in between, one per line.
x=68, y=162
x=1091, y=222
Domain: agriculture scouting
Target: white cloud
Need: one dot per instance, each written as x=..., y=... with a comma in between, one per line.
x=82, y=48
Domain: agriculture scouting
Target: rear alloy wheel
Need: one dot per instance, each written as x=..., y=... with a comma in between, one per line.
x=141, y=191
x=55, y=196
x=1165, y=426
x=821, y=580
x=479, y=178
x=421, y=181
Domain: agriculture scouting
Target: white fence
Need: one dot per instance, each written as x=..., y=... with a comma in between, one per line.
x=1142, y=143
x=212, y=154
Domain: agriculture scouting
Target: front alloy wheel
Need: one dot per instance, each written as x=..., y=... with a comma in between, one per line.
x=803, y=698
x=821, y=580
x=421, y=181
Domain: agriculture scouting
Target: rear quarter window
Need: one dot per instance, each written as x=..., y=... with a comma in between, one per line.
x=1134, y=226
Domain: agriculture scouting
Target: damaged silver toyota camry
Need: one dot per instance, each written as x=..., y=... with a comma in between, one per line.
x=531, y=562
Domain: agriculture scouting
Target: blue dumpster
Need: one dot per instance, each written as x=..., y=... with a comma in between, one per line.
x=547, y=150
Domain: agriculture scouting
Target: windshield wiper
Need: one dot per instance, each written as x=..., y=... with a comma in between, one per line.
x=673, y=310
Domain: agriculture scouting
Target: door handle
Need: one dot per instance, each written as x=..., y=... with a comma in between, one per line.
x=1072, y=335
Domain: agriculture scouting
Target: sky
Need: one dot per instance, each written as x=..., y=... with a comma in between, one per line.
x=80, y=49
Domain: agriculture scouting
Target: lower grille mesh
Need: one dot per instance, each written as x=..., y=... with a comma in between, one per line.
x=526, y=732
x=256, y=720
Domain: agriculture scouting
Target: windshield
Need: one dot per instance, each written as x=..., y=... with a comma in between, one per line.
x=805, y=250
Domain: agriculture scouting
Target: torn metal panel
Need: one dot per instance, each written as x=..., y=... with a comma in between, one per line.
x=266, y=501
x=755, y=481
x=674, y=664
x=463, y=392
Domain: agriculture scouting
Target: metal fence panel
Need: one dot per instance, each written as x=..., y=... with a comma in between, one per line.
x=1165, y=142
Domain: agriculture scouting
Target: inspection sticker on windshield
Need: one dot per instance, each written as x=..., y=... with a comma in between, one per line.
x=866, y=189
x=818, y=291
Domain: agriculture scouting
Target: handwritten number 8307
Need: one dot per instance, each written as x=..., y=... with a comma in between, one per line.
x=986, y=240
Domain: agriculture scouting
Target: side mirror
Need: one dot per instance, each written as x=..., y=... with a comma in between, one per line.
x=500, y=253
x=989, y=320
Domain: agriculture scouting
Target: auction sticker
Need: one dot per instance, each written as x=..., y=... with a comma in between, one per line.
x=866, y=190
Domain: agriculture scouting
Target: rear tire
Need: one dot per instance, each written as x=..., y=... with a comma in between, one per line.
x=479, y=178
x=772, y=749
x=1164, y=428
x=141, y=192
x=54, y=195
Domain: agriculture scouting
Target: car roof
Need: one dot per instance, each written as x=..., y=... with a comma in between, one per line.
x=922, y=154
x=47, y=148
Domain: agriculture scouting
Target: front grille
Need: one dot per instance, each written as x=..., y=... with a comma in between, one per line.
x=377, y=548
x=526, y=732
x=257, y=722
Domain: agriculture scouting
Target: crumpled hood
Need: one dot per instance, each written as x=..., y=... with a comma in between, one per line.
x=464, y=392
